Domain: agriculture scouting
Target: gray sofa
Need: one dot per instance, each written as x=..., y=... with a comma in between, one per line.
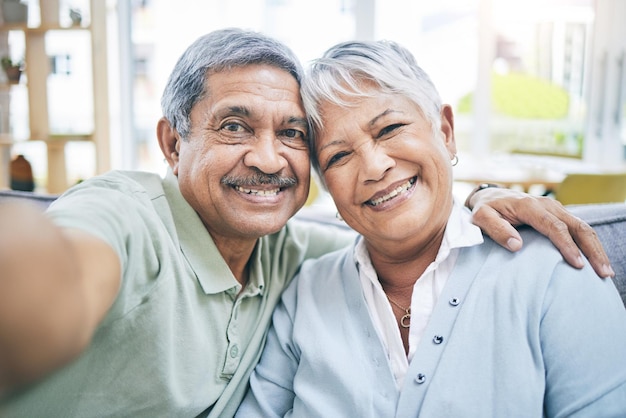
x=608, y=220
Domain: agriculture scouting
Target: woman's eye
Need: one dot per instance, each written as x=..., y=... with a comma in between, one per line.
x=335, y=159
x=388, y=129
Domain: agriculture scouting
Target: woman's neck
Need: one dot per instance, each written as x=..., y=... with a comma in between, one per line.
x=399, y=267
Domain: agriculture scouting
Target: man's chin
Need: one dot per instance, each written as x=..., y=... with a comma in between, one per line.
x=264, y=224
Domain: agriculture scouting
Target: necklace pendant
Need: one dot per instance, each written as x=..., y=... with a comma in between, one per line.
x=405, y=321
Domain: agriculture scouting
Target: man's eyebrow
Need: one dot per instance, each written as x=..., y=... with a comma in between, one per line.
x=236, y=110
x=294, y=120
x=217, y=114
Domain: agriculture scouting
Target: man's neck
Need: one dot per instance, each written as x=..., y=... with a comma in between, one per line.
x=236, y=254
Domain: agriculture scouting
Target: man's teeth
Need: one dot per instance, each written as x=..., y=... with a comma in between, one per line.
x=271, y=192
x=402, y=188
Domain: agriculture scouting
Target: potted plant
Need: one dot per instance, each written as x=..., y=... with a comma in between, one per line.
x=76, y=16
x=12, y=69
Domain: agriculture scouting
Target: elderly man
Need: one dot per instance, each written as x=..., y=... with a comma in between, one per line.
x=137, y=295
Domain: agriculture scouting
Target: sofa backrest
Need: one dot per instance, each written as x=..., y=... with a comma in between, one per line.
x=41, y=200
x=608, y=220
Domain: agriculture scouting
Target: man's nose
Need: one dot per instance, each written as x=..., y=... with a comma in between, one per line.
x=265, y=154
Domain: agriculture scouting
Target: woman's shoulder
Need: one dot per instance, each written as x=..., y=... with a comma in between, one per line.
x=537, y=254
x=533, y=270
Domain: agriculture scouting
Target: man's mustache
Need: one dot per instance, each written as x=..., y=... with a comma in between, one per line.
x=259, y=179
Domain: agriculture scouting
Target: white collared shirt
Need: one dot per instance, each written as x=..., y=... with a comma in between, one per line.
x=460, y=232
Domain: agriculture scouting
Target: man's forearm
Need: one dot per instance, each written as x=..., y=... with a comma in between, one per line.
x=42, y=299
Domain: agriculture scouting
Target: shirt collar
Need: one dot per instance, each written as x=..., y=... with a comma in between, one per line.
x=460, y=232
x=200, y=250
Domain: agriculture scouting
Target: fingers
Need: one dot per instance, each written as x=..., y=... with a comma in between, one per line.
x=497, y=228
x=558, y=232
x=589, y=243
x=568, y=233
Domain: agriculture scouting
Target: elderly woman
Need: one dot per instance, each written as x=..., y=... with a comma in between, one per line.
x=424, y=315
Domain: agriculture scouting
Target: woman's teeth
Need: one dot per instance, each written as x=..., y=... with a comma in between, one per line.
x=400, y=189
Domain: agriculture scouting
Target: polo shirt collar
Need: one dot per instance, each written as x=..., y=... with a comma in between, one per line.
x=198, y=247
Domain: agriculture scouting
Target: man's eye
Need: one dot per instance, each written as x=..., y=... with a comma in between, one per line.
x=234, y=132
x=233, y=127
x=388, y=129
x=294, y=138
x=293, y=134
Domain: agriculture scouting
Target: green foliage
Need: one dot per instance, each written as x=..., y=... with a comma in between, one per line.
x=523, y=96
x=7, y=62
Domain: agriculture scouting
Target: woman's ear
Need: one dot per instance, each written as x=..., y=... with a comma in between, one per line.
x=169, y=141
x=447, y=128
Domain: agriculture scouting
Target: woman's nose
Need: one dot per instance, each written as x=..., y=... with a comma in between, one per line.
x=375, y=163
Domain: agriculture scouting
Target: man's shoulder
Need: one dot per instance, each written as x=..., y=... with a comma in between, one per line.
x=328, y=266
x=128, y=180
x=116, y=179
x=316, y=237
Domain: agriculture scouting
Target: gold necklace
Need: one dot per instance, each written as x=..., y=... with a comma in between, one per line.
x=407, y=314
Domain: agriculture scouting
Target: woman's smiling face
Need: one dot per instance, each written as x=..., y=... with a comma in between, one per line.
x=389, y=174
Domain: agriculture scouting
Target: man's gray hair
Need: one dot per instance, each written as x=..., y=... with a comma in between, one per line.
x=214, y=52
x=341, y=71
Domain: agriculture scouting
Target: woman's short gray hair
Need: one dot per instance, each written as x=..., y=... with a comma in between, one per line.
x=214, y=52
x=340, y=72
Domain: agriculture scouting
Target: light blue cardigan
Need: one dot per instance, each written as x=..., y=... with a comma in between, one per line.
x=512, y=335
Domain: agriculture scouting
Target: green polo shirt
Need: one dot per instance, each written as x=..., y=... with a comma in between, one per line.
x=178, y=340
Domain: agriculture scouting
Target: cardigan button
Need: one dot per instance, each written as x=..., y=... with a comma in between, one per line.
x=437, y=339
x=455, y=301
x=421, y=378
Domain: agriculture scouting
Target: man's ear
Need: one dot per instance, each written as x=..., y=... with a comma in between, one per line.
x=169, y=141
x=447, y=128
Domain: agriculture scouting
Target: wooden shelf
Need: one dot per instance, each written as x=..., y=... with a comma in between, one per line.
x=13, y=26
x=7, y=139
x=43, y=28
x=37, y=69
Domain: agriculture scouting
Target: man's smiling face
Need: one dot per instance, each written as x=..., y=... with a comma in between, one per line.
x=245, y=166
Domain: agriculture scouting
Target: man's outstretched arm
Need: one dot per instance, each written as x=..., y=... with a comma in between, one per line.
x=56, y=285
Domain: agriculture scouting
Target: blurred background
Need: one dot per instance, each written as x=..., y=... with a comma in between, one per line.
x=538, y=87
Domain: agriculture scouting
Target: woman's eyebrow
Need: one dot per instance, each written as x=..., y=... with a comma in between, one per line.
x=330, y=144
x=385, y=113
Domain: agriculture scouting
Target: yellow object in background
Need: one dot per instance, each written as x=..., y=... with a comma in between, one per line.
x=592, y=188
x=314, y=192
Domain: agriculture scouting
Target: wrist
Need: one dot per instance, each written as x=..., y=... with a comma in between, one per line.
x=482, y=186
